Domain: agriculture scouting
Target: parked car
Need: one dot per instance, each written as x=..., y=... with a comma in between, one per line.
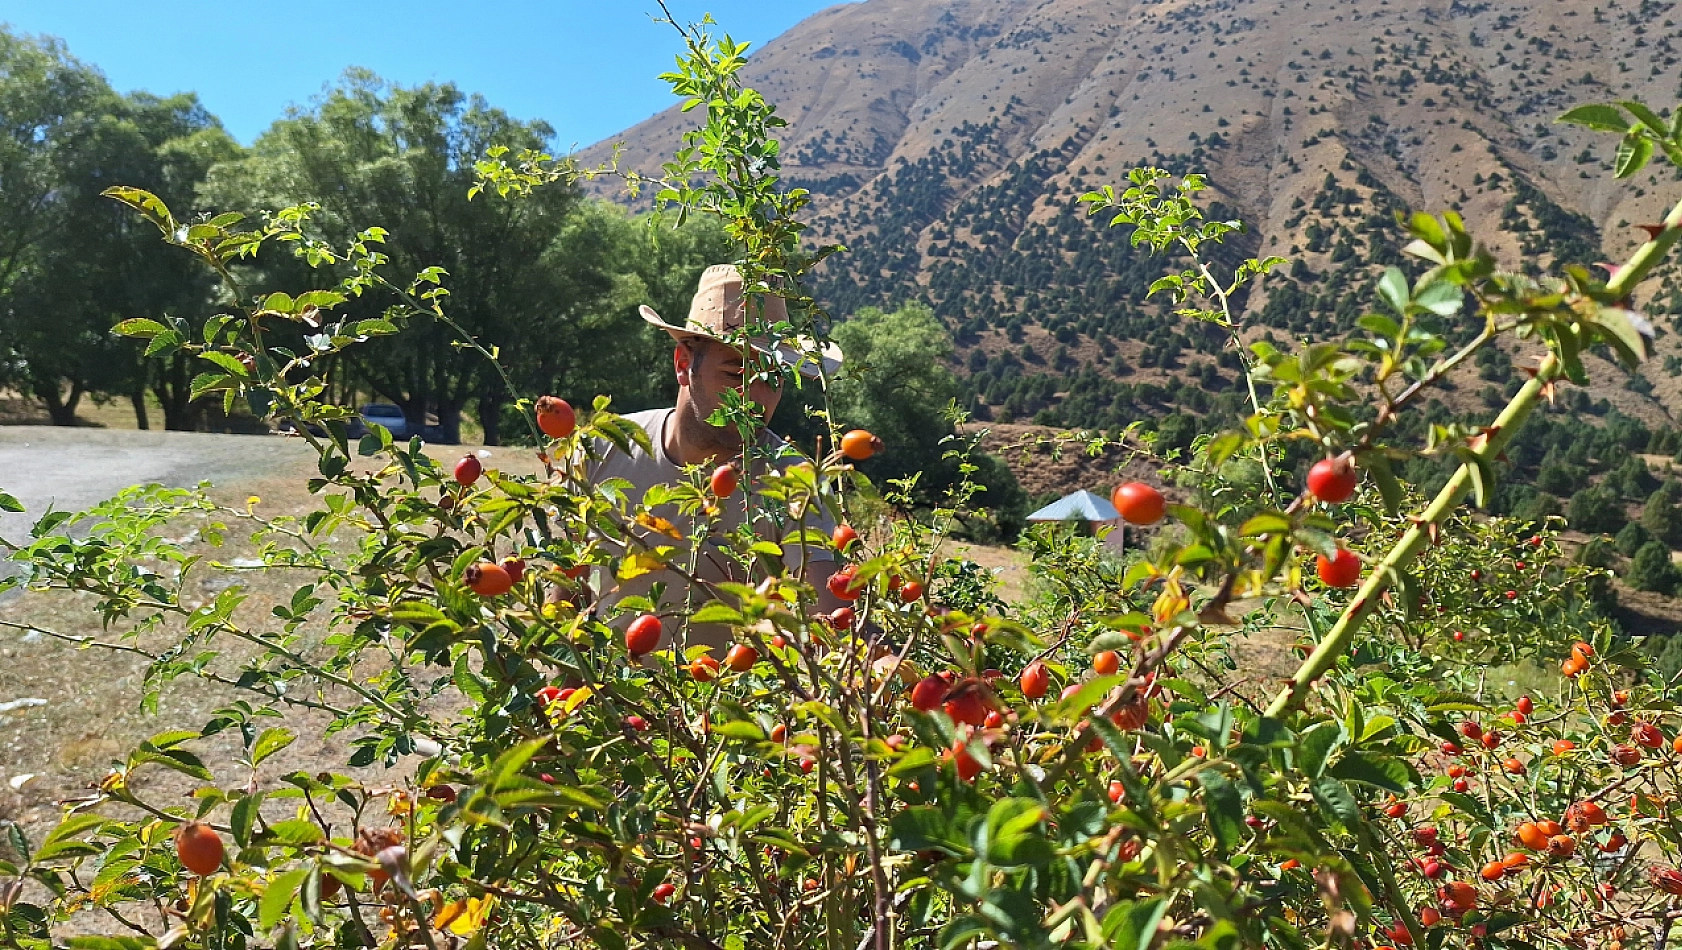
x=387, y=415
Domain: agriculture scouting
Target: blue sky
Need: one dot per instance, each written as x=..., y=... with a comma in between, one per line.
x=588, y=67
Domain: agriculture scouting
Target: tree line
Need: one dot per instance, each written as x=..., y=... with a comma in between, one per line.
x=550, y=282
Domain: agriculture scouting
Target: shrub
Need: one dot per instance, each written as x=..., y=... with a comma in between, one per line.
x=1651, y=569
x=550, y=781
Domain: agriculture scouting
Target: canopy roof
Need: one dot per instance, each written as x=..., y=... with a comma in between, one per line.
x=1081, y=506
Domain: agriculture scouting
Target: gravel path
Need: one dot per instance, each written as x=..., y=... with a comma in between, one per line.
x=73, y=468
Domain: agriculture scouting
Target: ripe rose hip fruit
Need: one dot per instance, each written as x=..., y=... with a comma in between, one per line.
x=1668, y=880
x=1035, y=680
x=967, y=766
x=663, y=892
x=555, y=417
x=488, y=579
x=1138, y=503
x=1342, y=570
x=1525, y=705
x=1105, y=662
x=911, y=592
x=845, y=585
x=843, y=537
x=1332, y=480
x=469, y=469
x=929, y=693
x=859, y=445
x=643, y=635
x=968, y=708
x=724, y=481
x=842, y=618
x=199, y=847
x=516, y=568
x=703, y=669
x=741, y=658
x=1626, y=755
x=546, y=696
x=1646, y=734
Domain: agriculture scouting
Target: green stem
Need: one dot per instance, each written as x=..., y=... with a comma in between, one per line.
x=1505, y=427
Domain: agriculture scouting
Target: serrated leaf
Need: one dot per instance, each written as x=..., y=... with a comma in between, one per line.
x=278, y=896
x=1600, y=117
x=1337, y=802
x=271, y=741
x=140, y=328
x=1315, y=746
x=1224, y=809
x=1379, y=771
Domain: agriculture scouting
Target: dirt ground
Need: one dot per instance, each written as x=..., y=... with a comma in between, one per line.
x=67, y=713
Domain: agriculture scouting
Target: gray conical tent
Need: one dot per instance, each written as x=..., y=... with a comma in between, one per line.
x=1078, y=506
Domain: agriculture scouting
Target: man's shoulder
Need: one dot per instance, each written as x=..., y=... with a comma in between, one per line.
x=636, y=464
x=650, y=421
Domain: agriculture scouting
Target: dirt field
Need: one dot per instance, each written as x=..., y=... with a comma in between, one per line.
x=66, y=714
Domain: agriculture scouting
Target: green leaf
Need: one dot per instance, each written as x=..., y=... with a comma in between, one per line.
x=1224, y=808
x=1337, y=802
x=1014, y=834
x=716, y=612
x=1601, y=118
x=1633, y=154
x=1441, y=298
x=1133, y=926
x=1315, y=746
x=1648, y=117
x=140, y=328
x=962, y=930
x=295, y=831
x=278, y=896
x=9, y=503
x=925, y=828
x=1393, y=287
x=1379, y=771
x=271, y=741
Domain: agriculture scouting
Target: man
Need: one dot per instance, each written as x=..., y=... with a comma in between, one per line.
x=707, y=368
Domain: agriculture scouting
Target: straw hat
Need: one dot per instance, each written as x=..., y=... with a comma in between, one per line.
x=716, y=311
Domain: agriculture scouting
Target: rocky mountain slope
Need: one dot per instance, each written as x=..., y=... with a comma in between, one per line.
x=947, y=142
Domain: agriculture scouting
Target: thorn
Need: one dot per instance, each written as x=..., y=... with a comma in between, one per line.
x=1653, y=230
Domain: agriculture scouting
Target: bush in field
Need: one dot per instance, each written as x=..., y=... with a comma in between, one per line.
x=1467, y=755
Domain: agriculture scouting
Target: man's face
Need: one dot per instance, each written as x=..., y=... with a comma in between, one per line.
x=708, y=369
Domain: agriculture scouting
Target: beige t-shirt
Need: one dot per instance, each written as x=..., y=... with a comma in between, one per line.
x=644, y=470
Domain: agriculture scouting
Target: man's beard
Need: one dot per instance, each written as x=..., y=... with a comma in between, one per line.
x=717, y=438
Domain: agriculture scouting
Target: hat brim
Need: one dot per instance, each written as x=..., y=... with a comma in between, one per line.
x=786, y=355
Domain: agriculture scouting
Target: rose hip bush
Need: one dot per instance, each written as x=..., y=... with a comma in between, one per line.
x=925, y=767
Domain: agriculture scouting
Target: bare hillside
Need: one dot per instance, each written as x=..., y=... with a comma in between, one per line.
x=947, y=142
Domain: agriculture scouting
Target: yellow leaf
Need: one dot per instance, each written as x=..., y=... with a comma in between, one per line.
x=575, y=700
x=659, y=524
x=463, y=915
x=639, y=564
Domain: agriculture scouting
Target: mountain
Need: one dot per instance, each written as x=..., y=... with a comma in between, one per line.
x=947, y=142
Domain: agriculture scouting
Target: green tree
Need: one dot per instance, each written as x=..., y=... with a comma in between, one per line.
x=609, y=348
x=402, y=159
x=64, y=140
x=1631, y=539
x=1662, y=518
x=1596, y=510
x=1651, y=569
x=901, y=391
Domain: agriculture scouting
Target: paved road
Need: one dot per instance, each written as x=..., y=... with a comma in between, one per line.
x=73, y=468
